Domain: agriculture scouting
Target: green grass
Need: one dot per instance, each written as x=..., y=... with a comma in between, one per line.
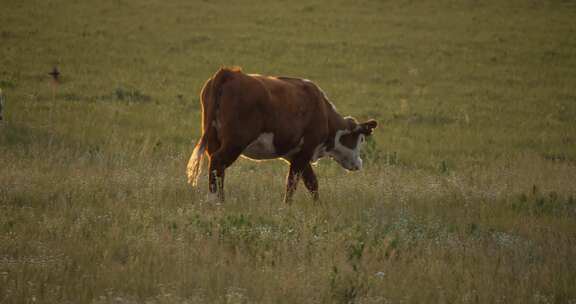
x=468, y=193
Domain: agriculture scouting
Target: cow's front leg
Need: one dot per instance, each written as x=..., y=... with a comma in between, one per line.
x=310, y=181
x=292, y=181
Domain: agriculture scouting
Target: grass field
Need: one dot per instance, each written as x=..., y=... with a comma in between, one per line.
x=469, y=188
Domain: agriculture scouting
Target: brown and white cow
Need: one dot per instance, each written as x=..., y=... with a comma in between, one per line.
x=264, y=117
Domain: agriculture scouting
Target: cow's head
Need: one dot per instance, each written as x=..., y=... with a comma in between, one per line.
x=348, y=141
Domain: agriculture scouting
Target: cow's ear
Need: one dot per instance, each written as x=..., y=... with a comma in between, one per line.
x=366, y=128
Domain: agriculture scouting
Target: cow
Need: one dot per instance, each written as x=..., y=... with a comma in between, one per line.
x=265, y=117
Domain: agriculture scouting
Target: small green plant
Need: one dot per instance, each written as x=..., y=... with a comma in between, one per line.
x=545, y=204
x=443, y=167
x=7, y=84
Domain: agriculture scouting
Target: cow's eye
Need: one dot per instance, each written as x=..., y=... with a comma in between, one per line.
x=362, y=139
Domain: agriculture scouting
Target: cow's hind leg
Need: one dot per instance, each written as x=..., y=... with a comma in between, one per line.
x=219, y=161
x=310, y=181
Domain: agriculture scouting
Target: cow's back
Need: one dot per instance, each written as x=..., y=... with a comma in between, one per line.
x=250, y=105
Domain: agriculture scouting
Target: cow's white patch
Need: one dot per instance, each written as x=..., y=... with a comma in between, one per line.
x=346, y=157
x=261, y=148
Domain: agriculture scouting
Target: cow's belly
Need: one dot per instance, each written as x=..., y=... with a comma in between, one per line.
x=261, y=148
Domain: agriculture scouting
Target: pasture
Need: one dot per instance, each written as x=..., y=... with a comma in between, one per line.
x=468, y=193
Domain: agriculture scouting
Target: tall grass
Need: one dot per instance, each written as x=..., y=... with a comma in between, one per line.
x=90, y=230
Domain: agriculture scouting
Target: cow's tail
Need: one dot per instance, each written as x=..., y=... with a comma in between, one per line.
x=195, y=163
x=210, y=103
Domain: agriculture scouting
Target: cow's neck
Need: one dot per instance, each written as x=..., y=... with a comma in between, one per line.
x=335, y=123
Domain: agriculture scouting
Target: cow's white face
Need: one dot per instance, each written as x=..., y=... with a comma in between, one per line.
x=348, y=156
x=348, y=142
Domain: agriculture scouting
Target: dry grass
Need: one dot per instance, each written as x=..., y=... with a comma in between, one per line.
x=468, y=195
x=89, y=230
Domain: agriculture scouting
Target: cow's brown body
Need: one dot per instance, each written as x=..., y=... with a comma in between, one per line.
x=263, y=117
